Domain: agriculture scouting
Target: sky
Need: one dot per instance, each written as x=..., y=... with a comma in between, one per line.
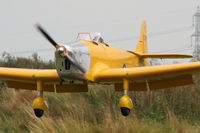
x=169, y=24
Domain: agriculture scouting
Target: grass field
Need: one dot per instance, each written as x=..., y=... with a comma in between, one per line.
x=97, y=111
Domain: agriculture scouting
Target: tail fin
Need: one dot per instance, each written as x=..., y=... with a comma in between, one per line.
x=141, y=47
x=142, y=44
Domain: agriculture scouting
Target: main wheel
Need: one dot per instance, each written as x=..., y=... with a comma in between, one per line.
x=38, y=112
x=125, y=111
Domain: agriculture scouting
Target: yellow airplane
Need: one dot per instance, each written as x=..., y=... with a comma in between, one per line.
x=94, y=61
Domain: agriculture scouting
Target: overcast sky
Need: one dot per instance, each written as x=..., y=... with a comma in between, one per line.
x=168, y=23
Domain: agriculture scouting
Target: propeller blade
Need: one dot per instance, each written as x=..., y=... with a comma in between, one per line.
x=72, y=61
x=44, y=33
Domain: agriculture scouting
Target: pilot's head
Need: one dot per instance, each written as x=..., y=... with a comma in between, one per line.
x=98, y=39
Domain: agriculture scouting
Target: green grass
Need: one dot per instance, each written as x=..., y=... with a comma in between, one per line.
x=98, y=111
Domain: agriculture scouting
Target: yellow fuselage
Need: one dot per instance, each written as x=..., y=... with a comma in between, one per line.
x=103, y=56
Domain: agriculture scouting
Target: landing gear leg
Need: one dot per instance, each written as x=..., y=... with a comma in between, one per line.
x=39, y=105
x=125, y=102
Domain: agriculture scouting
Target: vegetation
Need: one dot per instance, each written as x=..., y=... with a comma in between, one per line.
x=20, y=62
x=175, y=110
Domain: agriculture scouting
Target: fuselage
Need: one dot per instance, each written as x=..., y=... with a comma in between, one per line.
x=92, y=56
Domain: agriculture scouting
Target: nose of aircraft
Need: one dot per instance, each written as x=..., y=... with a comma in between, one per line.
x=61, y=49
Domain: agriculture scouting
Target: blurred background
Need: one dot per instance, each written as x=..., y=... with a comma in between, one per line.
x=169, y=24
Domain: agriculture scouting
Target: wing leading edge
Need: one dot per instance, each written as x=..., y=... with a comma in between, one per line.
x=29, y=75
x=27, y=79
x=141, y=74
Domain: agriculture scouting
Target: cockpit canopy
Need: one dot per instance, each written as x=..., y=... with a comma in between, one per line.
x=90, y=36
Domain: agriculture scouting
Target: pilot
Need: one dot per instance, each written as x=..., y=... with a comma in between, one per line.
x=98, y=38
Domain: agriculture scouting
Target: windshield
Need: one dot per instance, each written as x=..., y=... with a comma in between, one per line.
x=96, y=36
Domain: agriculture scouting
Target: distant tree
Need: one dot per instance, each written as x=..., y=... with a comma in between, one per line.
x=20, y=62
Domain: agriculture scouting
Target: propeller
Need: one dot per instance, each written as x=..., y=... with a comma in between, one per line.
x=61, y=49
x=44, y=33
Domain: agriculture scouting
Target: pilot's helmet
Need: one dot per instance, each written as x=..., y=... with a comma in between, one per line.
x=98, y=38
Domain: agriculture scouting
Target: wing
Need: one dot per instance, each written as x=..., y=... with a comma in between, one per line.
x=27, y=79
x=158, y=75
x=29, y=75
